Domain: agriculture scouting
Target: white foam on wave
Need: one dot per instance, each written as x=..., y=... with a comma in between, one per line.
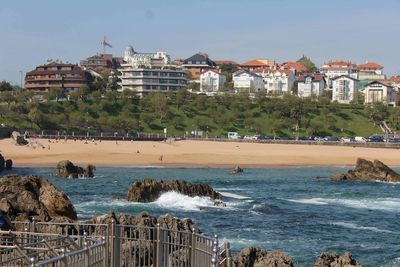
x=358, y=227
x=383, y=204
x=175, y=200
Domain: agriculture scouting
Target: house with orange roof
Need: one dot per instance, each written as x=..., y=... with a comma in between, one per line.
x=211, y=81
x=258, y=64
x=277, y=81
x=294, y=66
x=368, y=72
x=338, y=68
x=309, y=85
x=380, y=91
x=195, y=65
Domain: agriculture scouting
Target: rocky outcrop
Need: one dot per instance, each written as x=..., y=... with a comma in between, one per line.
x=66, y=169
x=5, y=164
x=18, y=139
x=366, y=170
x=256, y=257
x=24, y=197
x=149, y=190
x=335, y=260
x=237, y=169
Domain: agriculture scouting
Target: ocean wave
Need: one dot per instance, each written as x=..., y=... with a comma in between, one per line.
x=358, y=227
x=383, y=204
x=175, y=200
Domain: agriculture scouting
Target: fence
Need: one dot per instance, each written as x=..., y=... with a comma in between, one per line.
x=131, y=245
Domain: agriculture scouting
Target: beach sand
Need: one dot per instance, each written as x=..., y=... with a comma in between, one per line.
x=190, y=154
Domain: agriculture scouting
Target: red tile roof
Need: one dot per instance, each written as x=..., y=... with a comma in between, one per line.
x=253, y=63
x=395, y=79
x=294, y=65
x=222, y=62
x=370, y=65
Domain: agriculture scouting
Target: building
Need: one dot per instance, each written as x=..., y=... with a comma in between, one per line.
x=258, y=64
x=101, y=62
x=56, y=74
x=245, y=81
x=338, y=68
x=150, y=72
x=198, y=63
x=212, y=81
x=368, y=72
x=295, y=67
x=380, y=91
x=344, y=89
x=277, y=82
x=225, y=62
x=309, y=85
x=395, y=82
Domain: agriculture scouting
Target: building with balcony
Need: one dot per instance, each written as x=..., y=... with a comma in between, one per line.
x=211, y=81
x=309, y=85
x=257, y=64
x=344, y=89
x=368, y=72
x=277, y=82
x=380, y=91
x=334, y=69
x=245, y=81
x=56, y=74
x=198, y=63
x=101, y=62
x=150, y=72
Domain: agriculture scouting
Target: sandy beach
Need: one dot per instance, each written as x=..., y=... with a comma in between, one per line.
x=190, y=154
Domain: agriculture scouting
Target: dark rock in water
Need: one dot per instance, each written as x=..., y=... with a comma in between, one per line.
x=149, y=190
x=366, y=170
x=24, y=197
x=335, y=260
x=5, y=222
x=9, y=164
x=66, y=169
x=5, y=164
x=18, y=139
x=237, y=169
x=256, y=257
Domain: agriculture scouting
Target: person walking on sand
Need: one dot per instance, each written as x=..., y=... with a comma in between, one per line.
x=160, y=158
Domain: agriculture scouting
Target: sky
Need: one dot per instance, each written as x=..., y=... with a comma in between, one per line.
x=358, y=30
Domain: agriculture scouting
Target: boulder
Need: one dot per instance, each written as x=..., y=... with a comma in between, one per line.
x=237, y=169
x=66, y=169
x=149, y=190
x=18, y=139
x=335, y=260
x=256, y=257
x=5, y=164
x=24, y=197
x=366, y=170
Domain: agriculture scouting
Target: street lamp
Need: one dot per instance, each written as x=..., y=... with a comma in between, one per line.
x=22, y=74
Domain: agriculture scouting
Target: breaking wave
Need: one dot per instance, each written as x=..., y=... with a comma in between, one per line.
x=358, y=227
x=175, y=200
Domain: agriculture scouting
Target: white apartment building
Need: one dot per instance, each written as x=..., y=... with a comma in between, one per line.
x=277, y=82
x=150, y=72
x=333, y=69
x=378, y=91
x=310, y=85
x=211, y=80
x=344, y=89
x=244, y=81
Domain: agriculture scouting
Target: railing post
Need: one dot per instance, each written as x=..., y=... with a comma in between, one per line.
x=65, y=259
x=157, y=260
x=228, y=254
x=116, y=244
x=33, y=225
x=87, y=254
x=215, y=258
x=33, y=261
x=193, y=248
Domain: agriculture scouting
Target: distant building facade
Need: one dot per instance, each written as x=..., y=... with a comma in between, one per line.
x=295, y=67
x=257, y=64
x=245, y=81
x=198, y=63
x=368, y=72
x=380, y=91
x=309, y=85
x=150, y=72
x=277, y=82
x=101, y=62
x=56, y=74
x=212, y=81
x=334, y=69
x=344, y=89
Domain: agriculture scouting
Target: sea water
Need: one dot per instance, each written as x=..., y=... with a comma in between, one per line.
x=286, y=209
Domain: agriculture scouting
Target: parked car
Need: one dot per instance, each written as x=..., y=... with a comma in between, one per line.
x=265, y=138
x=331, y=138
x=347, y=139
x=233, y=135
x=318, y=138
x=250, y=137
x=376, y=138
x=360, y=139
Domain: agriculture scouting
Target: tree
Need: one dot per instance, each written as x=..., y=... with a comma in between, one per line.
x=36, y=116
x=5, y=86
x=7, y=97
x=227, y=70
x=159, y=104
x=306, y=62
x=55, y=94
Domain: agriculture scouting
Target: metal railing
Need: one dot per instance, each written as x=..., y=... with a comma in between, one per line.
x=131, y=245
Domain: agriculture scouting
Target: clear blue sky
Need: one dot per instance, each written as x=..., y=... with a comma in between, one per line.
x=358, y=30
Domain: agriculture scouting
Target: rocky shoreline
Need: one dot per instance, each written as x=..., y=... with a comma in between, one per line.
x=24, y=197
